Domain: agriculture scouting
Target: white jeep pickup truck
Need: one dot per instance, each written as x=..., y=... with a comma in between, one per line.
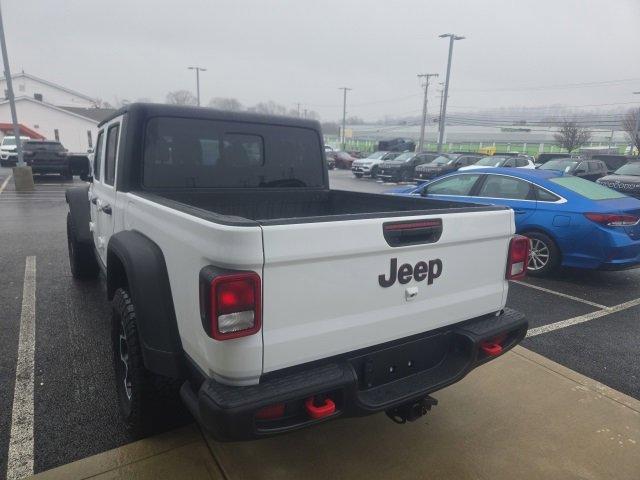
x=271, y=302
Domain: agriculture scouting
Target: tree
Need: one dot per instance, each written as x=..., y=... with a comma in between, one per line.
x=571, y=136
x=629, y=126
x=269, y=108
x=100, y=103
x=181, y=97
x=222, y=103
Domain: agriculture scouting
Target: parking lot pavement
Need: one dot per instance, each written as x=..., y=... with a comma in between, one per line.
x=585, y=321
x=520, y=417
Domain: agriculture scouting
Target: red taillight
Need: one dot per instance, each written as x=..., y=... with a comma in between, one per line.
x=233, y=307
x=270, y=412
x=613, y=219
x=518, y=258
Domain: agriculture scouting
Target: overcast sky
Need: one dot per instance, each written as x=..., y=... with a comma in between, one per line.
x=303, y=50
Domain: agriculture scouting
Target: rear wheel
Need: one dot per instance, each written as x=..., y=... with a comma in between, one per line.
x=358, y=175
x=404, y=176
x=544, y=256
x=82, y=260
x=146, y=400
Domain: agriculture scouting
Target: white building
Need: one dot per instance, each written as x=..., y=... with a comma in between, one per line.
x=53, y=111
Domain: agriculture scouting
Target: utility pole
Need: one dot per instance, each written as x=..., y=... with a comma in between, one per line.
x=298, y=104
x=443, y=114
x=441, y=92
x=637, y=130
x=198, y=70
x=344, y=115
x=12, y=100
x=427, y=78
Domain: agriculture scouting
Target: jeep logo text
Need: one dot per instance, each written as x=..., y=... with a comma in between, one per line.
x=421, y=271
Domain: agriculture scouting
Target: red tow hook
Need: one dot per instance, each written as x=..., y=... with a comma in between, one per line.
x=319, y=409
x=492, y=349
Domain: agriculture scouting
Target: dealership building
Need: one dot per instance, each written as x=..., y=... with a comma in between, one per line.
x=52, y=111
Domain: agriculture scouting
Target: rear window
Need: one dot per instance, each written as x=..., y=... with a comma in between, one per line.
x=49, y=146
x=590, y=190
x=197, y=153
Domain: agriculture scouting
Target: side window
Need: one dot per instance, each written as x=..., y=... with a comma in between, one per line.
x=455, y=185
x=581, y=167
x=543, y=195
x=497, y=186
x=110, y=154
x=97, y=156
x=510, y=163
x=521, y=162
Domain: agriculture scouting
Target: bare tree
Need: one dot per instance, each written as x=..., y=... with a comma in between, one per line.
x=269, y=108
x=100, y=103
x=571, y=136
x=223, y=103
x=181, y=97
x=629, y=126
x=120, y=102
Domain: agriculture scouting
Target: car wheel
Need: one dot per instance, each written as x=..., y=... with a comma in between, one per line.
x=358, y=175
x=82, y=260
x=374, y=173
x=405, y=177
x=145, y=399
x=544, y=255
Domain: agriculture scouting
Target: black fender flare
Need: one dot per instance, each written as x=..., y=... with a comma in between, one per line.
x=78, y=200
x=136, y=263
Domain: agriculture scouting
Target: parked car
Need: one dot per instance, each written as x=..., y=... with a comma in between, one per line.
x=545, y=157
x=401, y=168
x=570, y=221
x=502, y=161
x=8, y=154
x=443, y=164
x=225, y=286
x=397, y=145
x=369, y=166
x=613, y=162
x=587, y=169
x=343, y=160
x=46, y=157
x=626, y=179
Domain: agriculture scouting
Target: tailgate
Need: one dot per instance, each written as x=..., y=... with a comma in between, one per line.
x=323, y=295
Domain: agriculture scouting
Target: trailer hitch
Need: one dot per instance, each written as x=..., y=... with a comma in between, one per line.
x=410, y=412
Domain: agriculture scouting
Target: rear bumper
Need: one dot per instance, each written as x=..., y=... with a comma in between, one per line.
x=359, y=383
x=49, y=167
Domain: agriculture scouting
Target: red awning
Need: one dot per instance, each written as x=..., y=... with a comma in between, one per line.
x=7, y=128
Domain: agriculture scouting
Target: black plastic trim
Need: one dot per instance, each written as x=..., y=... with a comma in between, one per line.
x=148, y=284
x=78, y=200
x=229, y=412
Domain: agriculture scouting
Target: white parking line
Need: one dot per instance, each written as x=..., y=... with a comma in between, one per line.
x=560, y=294
x=6, y=181
x=582, y=318
x=20, y=454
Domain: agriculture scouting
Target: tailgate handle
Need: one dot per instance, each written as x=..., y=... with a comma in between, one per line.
x=413, y=232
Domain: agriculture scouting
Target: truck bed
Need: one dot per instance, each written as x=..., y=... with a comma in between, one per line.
x=277, y=207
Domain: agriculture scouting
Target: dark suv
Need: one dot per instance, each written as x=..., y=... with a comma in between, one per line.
x=587, y=169
x=46, y=157
x=401, y=168
x=446, y=163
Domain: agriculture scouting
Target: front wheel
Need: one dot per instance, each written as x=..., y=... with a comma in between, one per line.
x=374, y=173
x=82, y=260
x=405, y=177
x=544, y=255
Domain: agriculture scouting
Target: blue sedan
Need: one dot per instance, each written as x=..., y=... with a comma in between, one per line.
x=570, y=221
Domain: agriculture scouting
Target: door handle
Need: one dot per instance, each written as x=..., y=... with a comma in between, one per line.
x=520, y=212
x=106, y=209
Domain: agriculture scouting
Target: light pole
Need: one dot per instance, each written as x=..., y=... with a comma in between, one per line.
x=198, y=70
x=344, y=115
x=427, y=78
x=452, y=38
x=636, y=132
x=12, y=101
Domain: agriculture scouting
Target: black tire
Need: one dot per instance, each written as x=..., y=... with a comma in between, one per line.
x=148, y=402
x=82, y=260
x=374, y=173
x=358, y=175
x=547, y=258
x=405, y=176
